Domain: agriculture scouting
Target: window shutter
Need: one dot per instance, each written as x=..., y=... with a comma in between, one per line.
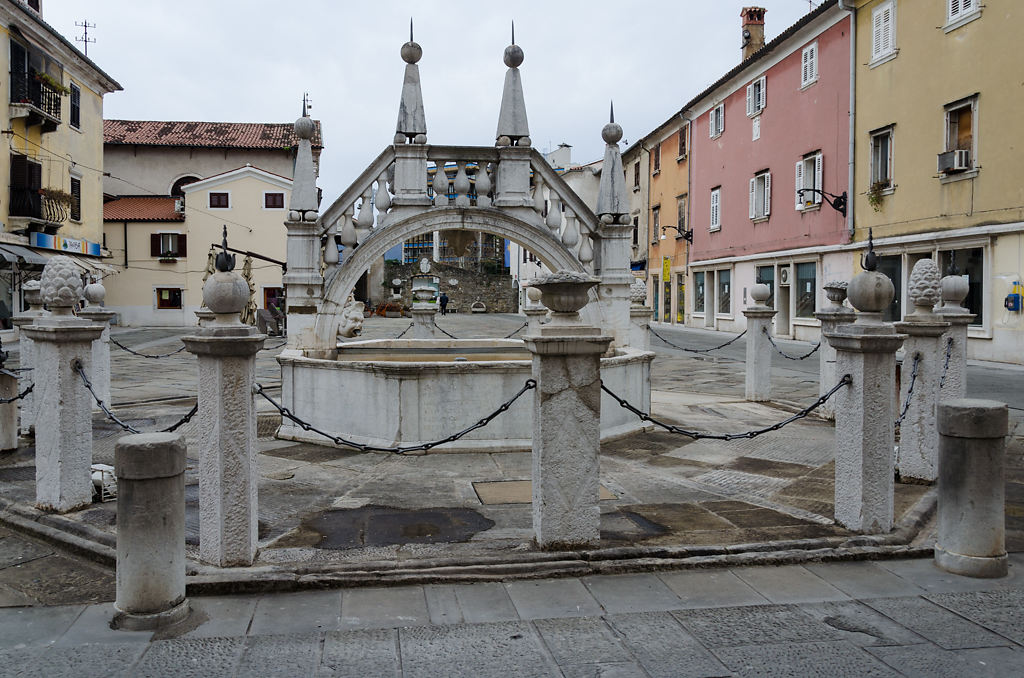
x=876, y=34
x=182, y=245
x=711, y=122
x=804, y=70
x=154, y=245
x=818, y=180
x=753, y=197
x=954, y=9
x=799, y=183
x=750, y=99
x=887, y=29
x=721, y=118
x=19, y=171
x=763, y=95
x=767, y=193
x=715, y=206
x=814, y=61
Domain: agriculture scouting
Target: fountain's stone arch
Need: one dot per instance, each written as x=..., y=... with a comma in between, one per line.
x=499, y=222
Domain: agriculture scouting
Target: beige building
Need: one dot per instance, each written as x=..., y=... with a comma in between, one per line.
x=180, y=184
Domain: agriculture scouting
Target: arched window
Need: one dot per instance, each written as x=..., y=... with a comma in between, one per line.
x=179, y=184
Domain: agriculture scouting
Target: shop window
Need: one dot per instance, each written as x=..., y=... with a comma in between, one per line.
x=724, y=291
x=698, y=292
x=971, y=264
x=766, y=275
x=806, y=285
x=168, y=297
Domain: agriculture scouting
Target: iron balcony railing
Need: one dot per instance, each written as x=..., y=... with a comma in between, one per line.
x=27, y=88
x=28, y=202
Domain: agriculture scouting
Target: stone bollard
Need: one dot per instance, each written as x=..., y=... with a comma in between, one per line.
x=566, y=416
x=972, y=512
x=534, y=316
x=831, y=317
x=27, y=357
x=228, y=472
x=8, y=411
x=150, y=470
x=423, y=317
x=63, y=404
x=639, y=316
x=917, y=455
x=759, y=348
x=94, y=312
x=866, y=350
x=953, y=382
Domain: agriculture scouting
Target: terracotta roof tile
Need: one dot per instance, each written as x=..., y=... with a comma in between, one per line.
x=141, y=208
x=208, y=134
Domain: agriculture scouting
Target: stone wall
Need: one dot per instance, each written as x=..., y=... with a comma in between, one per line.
x=497, y=291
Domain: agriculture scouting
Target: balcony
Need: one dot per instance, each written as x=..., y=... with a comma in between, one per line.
x=36, y=99
x=32, y=210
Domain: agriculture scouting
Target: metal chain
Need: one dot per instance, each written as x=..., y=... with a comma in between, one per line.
x=697, y=435
x=275, y=346
x=443, y=331
x=945, y=368
x=783, y=353
x=398, y=449
x=115, y=342
x=516, y=331
x=696, y=350
x=910, y=389
x=402, y=333
x=6, y=401
x=77, y=367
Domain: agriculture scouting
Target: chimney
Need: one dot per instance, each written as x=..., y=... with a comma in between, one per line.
x=753, y=30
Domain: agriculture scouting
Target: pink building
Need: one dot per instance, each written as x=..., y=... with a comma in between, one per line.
x=777, y=123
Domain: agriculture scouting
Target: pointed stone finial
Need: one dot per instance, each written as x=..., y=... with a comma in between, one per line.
x=225, y=262
x=412, y=120
x=61, y=285
x=612, y=200
x=869, y=261
x=513, y=127
x=923, y=288
x=304, y=204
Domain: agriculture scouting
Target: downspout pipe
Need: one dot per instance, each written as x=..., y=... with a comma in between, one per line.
x=846, y=6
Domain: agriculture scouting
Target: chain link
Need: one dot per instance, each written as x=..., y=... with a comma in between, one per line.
x=517, y=330
x=783, y=353
x=443, y=331
x=402, y=333
x=77, y=367
x=698, y=435
x=275, y=346
x=398, y=449
x=696, y=350
x=115, y=342
x=6, y=401
x=910, y=389
x=945, y=368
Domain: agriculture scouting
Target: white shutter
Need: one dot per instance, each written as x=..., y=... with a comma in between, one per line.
x=954, y=9
x=805, y=70
x=756, y=128
x=767, y=193
x=753, y=197
x=763, y=95
x=715, y=208
x=799, y=183
x=750, y=99
x=886, y=46
x=876, y=33
x=711, y=122
x=814, y=61
x=721, y=118
x=818, y=183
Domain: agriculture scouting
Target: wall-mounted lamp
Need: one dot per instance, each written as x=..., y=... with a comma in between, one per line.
x=683, y=233
x=837, y=202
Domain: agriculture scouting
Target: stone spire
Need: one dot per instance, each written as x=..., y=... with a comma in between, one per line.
x=412, y=121
x=612, y=201
x=304, y=202
x=513, y=128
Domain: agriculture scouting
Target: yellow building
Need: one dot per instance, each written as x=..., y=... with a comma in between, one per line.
x=937, y=147
x=53, y=124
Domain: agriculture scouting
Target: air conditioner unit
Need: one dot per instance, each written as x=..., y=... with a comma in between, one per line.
x=783, y=276
x=179, y=205
x=954, y=161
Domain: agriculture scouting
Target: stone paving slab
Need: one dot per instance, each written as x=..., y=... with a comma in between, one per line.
x=928, y=661
x=802, y=660
x=938, y=625
x=663, y=647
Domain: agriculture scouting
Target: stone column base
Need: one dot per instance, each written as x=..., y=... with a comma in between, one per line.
x=987, y=567
x=129, y=621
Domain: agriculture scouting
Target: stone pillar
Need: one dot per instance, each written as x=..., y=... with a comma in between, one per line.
x=566, y=416
x=534, y=316
x=150, y=470
x=831, y=317
x=228, y=471
x=972, y=513
x=917, y=455
x=639, y=316
x=423, y=316
x=94, y=312
x=8, y=411
x=759, y=348
x=953, y=382
x=63, y=404
x=512, y=183
x=27, y=356
x=866, y=350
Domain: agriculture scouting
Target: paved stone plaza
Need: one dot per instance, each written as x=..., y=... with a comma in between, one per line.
x=333, y=517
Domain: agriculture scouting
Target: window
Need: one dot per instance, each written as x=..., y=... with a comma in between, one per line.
x=761, y=195
x=805, y=289
x=636, y=176
x=698, y=292
x=76, y=199
x=220, y=200
x=655, y=224
x=724, y=287
x=961, y=12
x=755, y=128
x=716, y=209
x=766, y=275
x=883, y=42
x=656, y=158
x=808, y=176
x=680, y=215
x=666, y=315
x=960, y=125
x=809, y=65
x=636, y=231
x=168, y=297
x=273, y=201
x=971, y=263
x=881, y=159
x=167, y=245
x=682, y=143
x=756, y=96
x=75, y=112
x=680, y=297
x=716, y=120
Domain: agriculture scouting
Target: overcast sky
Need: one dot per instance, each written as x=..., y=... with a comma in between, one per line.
x=235, y=61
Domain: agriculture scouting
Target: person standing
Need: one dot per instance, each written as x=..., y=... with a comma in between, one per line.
x=444, y=303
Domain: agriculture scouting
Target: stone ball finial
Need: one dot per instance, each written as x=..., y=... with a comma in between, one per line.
x=304, y=128
x=923, y=287
x=411, y=52
x=95, y=293
x=638, y=292
x=611, y=133
x=225, y=292
x=871, y=292
x=954, y=291
x=759, y=293
x=61, y=284
x=513, y=56
x=533, y=294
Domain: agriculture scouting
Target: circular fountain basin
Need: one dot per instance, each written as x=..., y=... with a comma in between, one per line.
x=387, y=392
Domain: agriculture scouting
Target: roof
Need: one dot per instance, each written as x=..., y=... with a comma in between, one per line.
x=141, y=208
x=248, y=135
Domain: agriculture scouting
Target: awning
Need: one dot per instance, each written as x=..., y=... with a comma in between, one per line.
x=26, y=254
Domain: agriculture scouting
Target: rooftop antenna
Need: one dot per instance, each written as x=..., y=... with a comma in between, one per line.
x=85, y=26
